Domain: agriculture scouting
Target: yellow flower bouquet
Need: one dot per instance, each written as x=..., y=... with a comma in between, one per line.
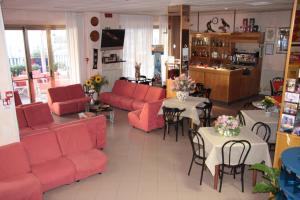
x=94, y=83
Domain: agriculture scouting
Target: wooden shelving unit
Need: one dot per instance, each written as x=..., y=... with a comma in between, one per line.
x=286, y=140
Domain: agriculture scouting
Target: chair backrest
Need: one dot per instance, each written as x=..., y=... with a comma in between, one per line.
x=235, y=152
x=123, y=78
x=206, y=111
x=276, y=86
x=241, y=118
x=199, y=146
x=263, y=130
x=171, y=114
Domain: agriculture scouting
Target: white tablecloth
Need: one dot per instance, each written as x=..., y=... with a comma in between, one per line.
x=189, y=105
x=253, y=116
x=213, y=146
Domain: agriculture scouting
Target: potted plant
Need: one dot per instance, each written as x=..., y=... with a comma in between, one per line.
x=93, y=86
x=270, y=184
x=183, y=85
x=268, y=103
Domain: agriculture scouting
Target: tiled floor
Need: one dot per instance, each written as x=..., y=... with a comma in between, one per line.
x=143, y=166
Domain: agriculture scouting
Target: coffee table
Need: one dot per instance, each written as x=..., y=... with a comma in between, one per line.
x=102, y=109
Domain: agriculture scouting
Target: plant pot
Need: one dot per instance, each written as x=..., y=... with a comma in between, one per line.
x=182, y=95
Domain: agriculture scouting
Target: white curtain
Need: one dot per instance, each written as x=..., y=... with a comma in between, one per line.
x=137, y=44
x=163, y=39
x=75, y=37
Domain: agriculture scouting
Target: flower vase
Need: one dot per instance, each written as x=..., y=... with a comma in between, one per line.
x=95, y=98
x=182, y=95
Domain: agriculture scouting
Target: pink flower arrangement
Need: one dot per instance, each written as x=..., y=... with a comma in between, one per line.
x=227, y=125
x=183, y=83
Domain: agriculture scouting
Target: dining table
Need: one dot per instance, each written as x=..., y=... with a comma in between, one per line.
x=213, y=141
x=253, y=116
x=189, y=105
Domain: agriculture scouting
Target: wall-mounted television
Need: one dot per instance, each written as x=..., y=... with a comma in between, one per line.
x=112, y=39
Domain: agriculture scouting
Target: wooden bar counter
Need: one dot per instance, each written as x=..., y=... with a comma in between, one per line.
x=227, y=85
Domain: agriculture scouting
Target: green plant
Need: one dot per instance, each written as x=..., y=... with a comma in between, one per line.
x=16, y=70
x=270, y=184
x=35, y=67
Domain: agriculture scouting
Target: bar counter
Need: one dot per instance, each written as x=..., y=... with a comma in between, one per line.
x=228, y=85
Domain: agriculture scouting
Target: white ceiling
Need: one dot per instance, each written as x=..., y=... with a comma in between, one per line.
x=154, y=7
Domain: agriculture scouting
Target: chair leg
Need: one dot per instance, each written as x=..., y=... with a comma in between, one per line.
x=242, y=177
x=176, y=128
x=203, y=164
x=234, y=171
x=192, y=162
x=191, y=165
x=221, y=178
x=165, y=131
x=182, y=128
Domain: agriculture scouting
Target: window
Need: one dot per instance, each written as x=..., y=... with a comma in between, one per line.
x=155, y=35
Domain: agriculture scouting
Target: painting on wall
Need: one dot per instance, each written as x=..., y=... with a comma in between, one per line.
x=270, y=34
x=282, y=39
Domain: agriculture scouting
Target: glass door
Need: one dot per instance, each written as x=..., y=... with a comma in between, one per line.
x=17, y=63
x=39, y=59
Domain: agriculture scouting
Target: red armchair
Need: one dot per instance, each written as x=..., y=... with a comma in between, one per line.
x=147, y=118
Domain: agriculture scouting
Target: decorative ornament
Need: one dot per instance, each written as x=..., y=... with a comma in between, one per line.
x=94, y=21
x=94, y=36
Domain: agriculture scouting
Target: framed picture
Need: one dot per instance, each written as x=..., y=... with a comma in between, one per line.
x=290, y=85
x=270, y=34
x=282, y=39
x=290, y=108
x=269, y=49
x=287, y=123
x=291, y=97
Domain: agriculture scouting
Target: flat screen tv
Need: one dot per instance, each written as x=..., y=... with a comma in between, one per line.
x=112, y=39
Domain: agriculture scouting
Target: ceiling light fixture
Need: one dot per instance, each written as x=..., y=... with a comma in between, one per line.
x=259, y=3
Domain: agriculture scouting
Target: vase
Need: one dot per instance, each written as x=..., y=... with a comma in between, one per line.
x=268, y=113
x=95, y=98
x=182, y=95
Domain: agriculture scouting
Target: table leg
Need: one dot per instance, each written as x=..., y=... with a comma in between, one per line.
x=254, y=177
x=216, y=177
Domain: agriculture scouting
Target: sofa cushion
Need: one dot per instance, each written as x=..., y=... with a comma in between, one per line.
x=125, y=103
x=74, y=91
x=136, y=104
x=58, y=94
x=38, y=114
x=21, y=118
x=129, y=89
x=13, y=160
x=54, y=173
x=42, y=147
x=154, y=94
x=24, y=132
x=21, y=187
x=88, y=163
x=140, y=91
x=74, y=138
x=61, y=108
x=119, y=87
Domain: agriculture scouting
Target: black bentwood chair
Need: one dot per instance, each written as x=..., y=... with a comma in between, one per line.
x=198, y=148
x=263, y=130
x=205, y=114
x=234, y=155
x=172, y=117
x=241, y=118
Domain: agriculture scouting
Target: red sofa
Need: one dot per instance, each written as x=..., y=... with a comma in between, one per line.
x=147, y=118
x=67, y=99
x=36, y=118
x=143, y=100
x=131, y=96
x=44, y=161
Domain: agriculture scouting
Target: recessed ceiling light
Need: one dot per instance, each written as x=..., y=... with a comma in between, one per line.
x=226, y=8
x=259, y=3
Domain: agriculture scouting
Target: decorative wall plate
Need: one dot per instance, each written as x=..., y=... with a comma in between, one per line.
x=94, y=21
x=94, y=36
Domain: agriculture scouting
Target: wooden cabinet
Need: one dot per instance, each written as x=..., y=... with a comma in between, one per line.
x=285, y=139
x=210, y=48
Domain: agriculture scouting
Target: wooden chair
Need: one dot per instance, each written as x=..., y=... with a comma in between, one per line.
x=276, y=86
x=172, y=117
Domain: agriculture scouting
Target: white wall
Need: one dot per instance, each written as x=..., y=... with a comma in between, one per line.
x=273, y=65
x=9, y=132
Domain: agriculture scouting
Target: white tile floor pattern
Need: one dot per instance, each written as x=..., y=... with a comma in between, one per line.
x=142, y=166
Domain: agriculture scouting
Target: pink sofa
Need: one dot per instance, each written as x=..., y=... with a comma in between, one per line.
x=36, y=118
x=143, y=100
x=131, y=96
x=147, y=118
x=67, y=99
x=16, y=180
x=44, y=161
